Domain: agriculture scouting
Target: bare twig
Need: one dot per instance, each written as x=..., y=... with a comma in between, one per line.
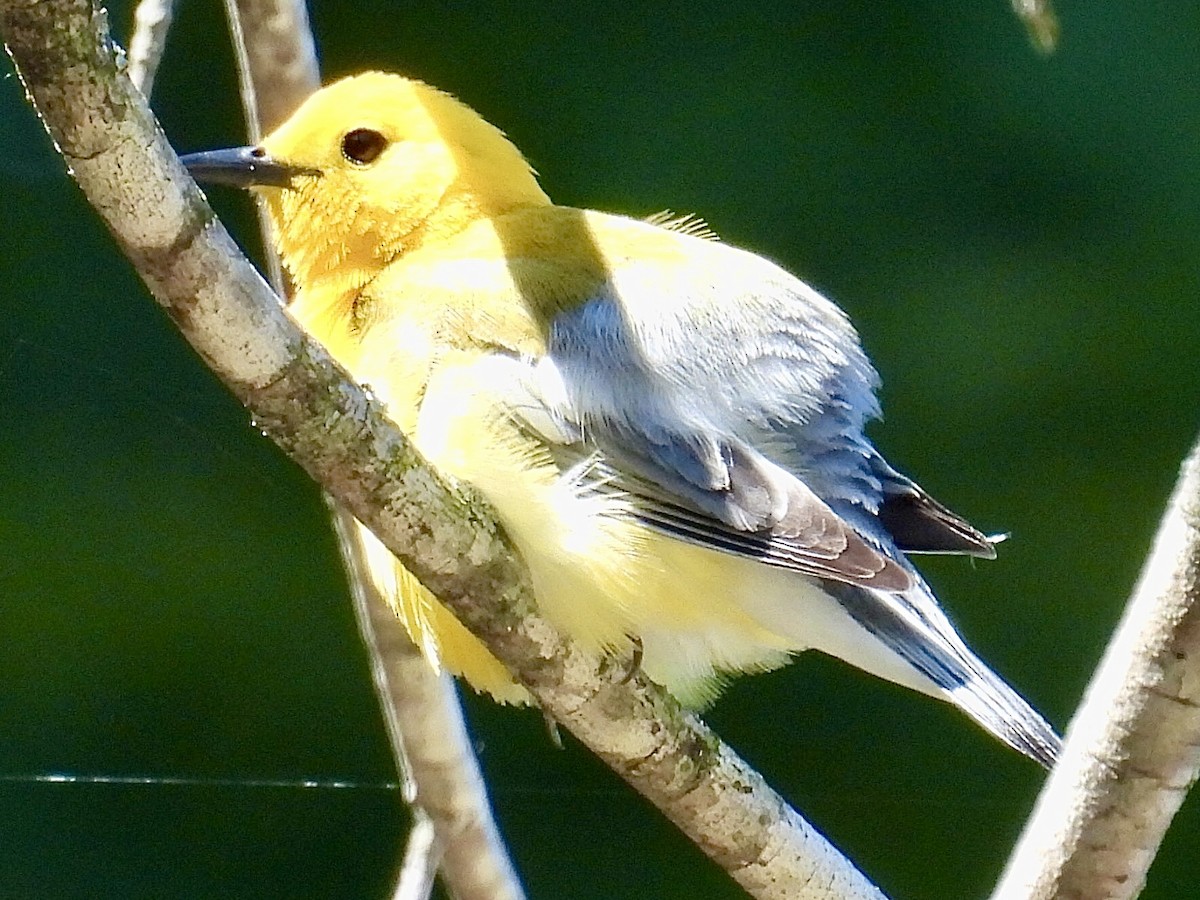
x=327, y=423
x=277, y=59
x=151, y=23
x=1133, y=749
x=1040, y=21
x=429, y=738
x=277, y=68
x=419, y=868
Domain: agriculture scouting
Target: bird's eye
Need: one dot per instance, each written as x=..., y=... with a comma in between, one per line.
x=363, y=146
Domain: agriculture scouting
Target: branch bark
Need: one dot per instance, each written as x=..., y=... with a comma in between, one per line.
x=446, y=537
x=151, y=24
x=1133, y=749
x=277, y=59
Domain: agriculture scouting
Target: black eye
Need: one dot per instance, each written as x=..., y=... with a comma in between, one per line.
x=363, y=146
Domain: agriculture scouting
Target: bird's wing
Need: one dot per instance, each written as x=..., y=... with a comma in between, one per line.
x=682, y=381
x=774, y=363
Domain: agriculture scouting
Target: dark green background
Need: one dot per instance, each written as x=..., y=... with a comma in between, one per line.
x=1016, y=238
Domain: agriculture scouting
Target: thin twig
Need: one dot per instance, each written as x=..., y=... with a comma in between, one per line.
x=1040, y=22
x=442, y=781
x=329, y=425
x=151, y=24
x=277, y=61
x=1133, y=749
x=277, y=68
x=396, y=660
x=417, y=871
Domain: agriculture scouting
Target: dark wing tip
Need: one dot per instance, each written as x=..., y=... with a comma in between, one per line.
x=919, y=524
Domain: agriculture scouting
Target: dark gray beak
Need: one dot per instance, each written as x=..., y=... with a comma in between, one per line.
x=242, y=167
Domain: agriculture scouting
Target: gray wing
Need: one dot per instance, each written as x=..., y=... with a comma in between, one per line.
x=794, y=528
x=729, y=398
x=703, y=406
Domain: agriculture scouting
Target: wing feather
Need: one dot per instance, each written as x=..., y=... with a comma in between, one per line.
x=728, y=398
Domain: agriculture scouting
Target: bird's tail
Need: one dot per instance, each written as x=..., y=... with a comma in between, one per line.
x=986, y=698
x=912, y=626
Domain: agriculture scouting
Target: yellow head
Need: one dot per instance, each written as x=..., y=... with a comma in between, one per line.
x=374, y=165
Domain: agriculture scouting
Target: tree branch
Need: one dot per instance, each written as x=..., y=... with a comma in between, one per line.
x=277, y=59
x=417, y=872
x=1133, y=749
x=445, y=536
x=151, y=24
x=1040, y=22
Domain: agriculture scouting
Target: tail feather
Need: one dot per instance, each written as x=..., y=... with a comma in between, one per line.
x=1003, y=712
x=914, y=628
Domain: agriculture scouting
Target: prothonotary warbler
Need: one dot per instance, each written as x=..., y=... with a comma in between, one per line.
x=670, y=429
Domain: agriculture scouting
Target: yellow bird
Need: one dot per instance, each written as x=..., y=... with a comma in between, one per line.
x=669, y=428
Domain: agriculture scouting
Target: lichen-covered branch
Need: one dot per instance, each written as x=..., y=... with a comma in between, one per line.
x=1133, y=749
x=329, y=425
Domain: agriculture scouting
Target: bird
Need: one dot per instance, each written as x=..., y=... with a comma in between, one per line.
x=670, y=429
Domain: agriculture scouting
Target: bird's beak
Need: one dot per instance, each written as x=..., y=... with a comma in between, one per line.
x=242, y=167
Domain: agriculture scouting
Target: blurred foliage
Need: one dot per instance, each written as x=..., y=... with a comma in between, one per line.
x=1015, y=237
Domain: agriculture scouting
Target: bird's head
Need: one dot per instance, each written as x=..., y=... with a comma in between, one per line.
x=370, y=168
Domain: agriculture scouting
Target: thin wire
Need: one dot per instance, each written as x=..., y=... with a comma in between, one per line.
x=196, y=781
